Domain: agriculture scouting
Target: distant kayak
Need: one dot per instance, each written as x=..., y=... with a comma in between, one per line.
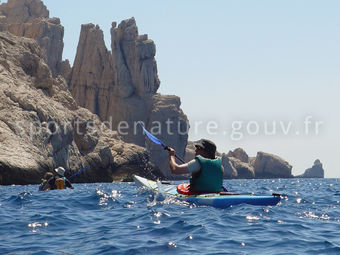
x=221, y=200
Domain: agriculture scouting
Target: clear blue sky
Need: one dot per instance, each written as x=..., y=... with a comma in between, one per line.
x=259, y=62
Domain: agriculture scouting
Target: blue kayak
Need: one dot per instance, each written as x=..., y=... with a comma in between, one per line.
x=221, y=200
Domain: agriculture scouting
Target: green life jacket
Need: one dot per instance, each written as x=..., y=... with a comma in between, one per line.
x=209, y=178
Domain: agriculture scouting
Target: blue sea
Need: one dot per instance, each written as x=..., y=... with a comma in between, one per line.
x=117, y=218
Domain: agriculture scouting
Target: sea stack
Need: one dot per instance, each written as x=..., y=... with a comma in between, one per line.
x=316, y=171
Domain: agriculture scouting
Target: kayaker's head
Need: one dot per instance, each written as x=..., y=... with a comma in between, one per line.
x=48, y=175
x=60, y=171
x=205, y=148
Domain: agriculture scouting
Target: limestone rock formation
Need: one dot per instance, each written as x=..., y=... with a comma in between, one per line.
x=30, y=18
x=244, y=170
x=102, y=83
x=65, y=69
x=92, y=77
x=22, y=11
x=240, y=161
x=120, y=87
x=230, y=172
x=138, y=53
x=240, y=154
x=170, y=125
x=189, y=151
x=316, y=171
x=271, y=166
x=106, y=83
x=41, y=126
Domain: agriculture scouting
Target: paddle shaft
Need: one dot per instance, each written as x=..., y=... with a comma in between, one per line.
x=168, y=149
x=155, y=140
x=81, y=170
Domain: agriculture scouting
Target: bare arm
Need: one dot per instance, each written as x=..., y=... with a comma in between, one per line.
x=175, y=168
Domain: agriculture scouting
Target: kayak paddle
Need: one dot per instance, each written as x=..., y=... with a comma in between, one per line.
x=157, y=141
x=81, y=170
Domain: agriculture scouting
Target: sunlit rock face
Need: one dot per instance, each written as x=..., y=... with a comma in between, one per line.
x=30, y=18
x=42, y=127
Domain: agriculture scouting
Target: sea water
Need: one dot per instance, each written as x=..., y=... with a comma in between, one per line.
x=117, y=218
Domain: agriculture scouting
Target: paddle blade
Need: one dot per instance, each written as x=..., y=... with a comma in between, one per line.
x=151, y=137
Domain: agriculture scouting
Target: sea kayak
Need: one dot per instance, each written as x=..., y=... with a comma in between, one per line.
x=221, y=200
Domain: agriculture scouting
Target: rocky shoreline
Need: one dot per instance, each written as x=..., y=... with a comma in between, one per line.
x=52, y=114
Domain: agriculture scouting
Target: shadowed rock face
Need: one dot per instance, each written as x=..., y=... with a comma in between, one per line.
x=42, y=127
x=172, y=130
x=316, y=171
x=116, y=86
x=30, y=18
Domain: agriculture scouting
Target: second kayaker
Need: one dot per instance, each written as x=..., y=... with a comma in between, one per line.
x=59, y=181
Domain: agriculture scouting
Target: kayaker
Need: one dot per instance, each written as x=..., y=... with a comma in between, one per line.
x=59, y=181
x=44, y=184
x=206, y=169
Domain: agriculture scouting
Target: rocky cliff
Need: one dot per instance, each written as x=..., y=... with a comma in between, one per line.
x=42, y=127
x=120, y=87
x=265, y=165
x=30, y=18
